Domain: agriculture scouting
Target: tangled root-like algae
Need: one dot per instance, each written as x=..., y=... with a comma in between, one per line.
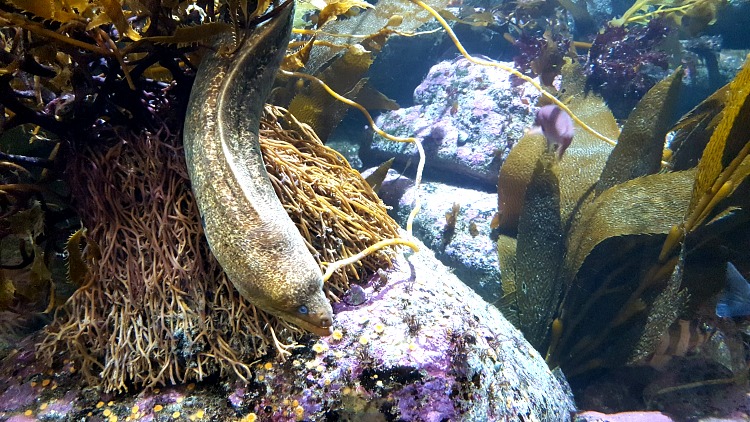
x=158, y=282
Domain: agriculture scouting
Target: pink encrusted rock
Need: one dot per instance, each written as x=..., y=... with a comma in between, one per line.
x=467, y=116
x=425, y=347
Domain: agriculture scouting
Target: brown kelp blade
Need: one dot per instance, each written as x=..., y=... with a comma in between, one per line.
x=579, y=168
x=375, y=180
x=720, y=170
x=664, y=311
x=345, y=68
x=605, y=310
x=640, y=146
x=647, y=205
x=539, y=253
x=514, y=178
x=584, y=160
x=314, y=106
x=727, y=140
x=611, y=248
x=693, y=131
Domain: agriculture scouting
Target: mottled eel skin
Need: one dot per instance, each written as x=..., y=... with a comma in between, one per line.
x=251, y=235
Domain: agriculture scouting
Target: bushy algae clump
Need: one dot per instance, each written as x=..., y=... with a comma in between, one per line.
x=156, y=308
x=153, y=306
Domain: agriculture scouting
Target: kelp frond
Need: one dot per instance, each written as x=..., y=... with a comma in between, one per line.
x=714, y=180
x=622, y=283
x=642, y=11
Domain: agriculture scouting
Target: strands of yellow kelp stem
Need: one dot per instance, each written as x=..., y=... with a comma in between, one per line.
x=359, y=36
x=332, y=267
x=514, y=72
x=415, y=141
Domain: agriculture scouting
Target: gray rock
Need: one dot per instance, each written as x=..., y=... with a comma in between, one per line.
x=707, y=68
x=731, y=24
x=467, y=116
x=468, y=247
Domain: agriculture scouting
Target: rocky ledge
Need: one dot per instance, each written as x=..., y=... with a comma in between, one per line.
x=413, y=343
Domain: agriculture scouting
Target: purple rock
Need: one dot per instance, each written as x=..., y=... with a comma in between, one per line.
x=21, y=418
x=624, y=417
x=17, y=396
x=467, y=116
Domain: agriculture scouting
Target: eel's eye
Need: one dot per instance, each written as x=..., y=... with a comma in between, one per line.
x=303, y=310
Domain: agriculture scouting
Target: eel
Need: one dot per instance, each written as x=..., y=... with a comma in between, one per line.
x=247, y=228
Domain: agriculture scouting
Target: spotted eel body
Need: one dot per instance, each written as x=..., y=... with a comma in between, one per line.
x=251, y=235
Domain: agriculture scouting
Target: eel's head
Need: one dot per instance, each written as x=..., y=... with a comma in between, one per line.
x=304, y=304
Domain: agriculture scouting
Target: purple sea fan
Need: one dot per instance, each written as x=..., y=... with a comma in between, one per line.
x=556, y=126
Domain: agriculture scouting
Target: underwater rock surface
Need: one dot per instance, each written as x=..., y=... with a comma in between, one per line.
x=465, y=244
x=421, y=347
x=467, y=116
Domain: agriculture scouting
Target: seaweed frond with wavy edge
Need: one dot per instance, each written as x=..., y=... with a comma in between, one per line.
x=92, y=14
x=640, y=147
x=156, y=308
x=699, y=13
x=724, y=160
x=344, y=51
x=585, y=156
x=35, y=221
x=313, y=106
x=618, y=294
x=539, y=251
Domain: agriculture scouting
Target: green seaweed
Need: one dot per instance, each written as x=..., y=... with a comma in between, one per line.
x=700, y=13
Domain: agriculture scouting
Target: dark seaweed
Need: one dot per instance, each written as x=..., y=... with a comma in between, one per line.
x=625, y=62
x=541, y=54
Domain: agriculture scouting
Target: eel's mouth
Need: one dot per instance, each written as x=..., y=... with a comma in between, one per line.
x=321, y=328
x=317, y=330
x=317, y=324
